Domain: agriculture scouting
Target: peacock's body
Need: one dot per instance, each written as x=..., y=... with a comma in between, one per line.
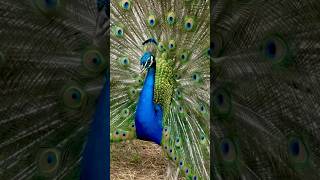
x=265, y=95
x=166, y=100
x=52, y=64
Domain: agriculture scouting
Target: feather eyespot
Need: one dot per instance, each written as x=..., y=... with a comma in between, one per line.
x=125, y=4
x=132, y=92
x=152, y=21
x=171, y=45
x=298, y=150
x=93, y=61
x=178, y=94
x=118, y=31
x=73, y=97
x=181, y=163
x=161, y=47
x=125, y=112
x=171, y=18
x=274, y=48
x=48, y=160
x=222, y=104
x=178, y=142
x=189, y=24
x=47, y=6
x=202, y=108
x=228, y=150
x=124, y=61
x=184, y=56
x=196, y=77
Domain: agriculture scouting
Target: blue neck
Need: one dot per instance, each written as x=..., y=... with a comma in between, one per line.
x=149, y=115
x=95, y=162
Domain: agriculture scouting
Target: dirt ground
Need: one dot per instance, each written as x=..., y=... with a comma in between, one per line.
x=138, y=160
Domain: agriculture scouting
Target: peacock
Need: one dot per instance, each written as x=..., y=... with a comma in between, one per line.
x=265, y=89
x=54, y=89
x=159, y=79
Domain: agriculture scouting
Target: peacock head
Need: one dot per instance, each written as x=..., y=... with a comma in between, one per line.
x=148, y=59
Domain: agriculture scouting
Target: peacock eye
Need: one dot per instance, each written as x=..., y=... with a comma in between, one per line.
x=132, y=91
x=151, y=20
x=222, y=102
x=181, y=163
x=187, y=170
x=184, y=56
x=298, y=151
x=139, y=81
x=117, y=132
x=203, y=139
x=161, y=47
x=51, y=3
x=73, y=97
x=172, y=45
x=124, y=61
x=228, y=150
x=178, y=142
x=125, y=112
x=196, y=77
x=93, y=61
x=177, y=76
x=202, y=108
x=275, y=49
x=49, y=160
x=125, y=4
x=171, y=18
x=188, y=23
x=118, y=31
x=178, y=94
x=47, y=6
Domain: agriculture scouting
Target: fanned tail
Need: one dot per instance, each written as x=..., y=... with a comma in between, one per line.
x=181, y=30
x=265, y=96
x=50, y=75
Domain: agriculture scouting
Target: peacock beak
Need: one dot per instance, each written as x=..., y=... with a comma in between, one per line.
x=146, y=65
x=143, y=67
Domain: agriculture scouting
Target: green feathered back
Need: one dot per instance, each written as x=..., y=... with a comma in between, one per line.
x=164, y=84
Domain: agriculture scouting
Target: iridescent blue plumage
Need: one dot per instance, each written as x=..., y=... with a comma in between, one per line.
x=148, y=117
x=95, y=161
